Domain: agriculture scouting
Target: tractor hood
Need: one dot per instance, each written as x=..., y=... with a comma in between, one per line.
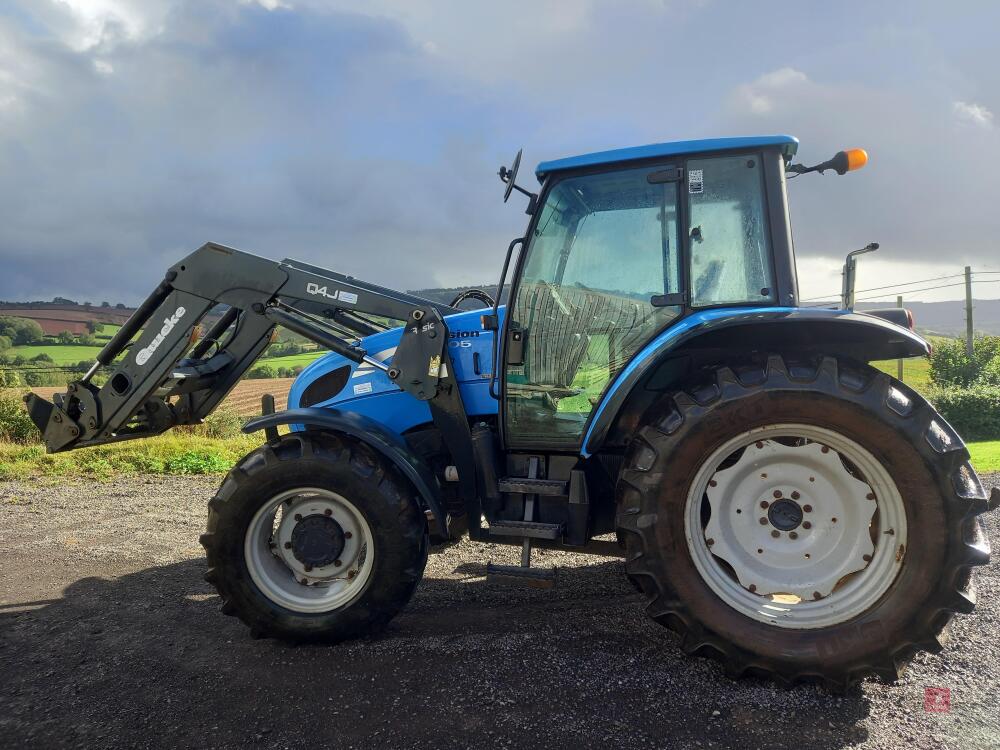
x=333, y=381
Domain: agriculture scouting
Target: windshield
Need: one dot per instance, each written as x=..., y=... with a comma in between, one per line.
x=605, y=247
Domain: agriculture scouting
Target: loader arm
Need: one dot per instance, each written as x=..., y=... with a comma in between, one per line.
x=172, y=376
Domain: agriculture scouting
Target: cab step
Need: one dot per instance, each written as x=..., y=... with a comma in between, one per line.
x=539, y=578
x=529, y=486
x=532, y=529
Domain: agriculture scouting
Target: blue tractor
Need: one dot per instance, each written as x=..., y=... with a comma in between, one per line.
x=653, y=389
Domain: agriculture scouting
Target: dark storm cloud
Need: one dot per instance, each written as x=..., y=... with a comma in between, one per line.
x=367, y=137
x=285, y=133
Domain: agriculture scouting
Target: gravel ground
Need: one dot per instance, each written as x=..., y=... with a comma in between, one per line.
x=109, y=637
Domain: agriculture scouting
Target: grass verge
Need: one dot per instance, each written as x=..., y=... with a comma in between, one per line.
x=164, y=454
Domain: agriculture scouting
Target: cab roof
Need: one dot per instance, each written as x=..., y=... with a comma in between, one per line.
x=787, y=143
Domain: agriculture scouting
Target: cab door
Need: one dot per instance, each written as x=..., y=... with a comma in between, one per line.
x=601, y=275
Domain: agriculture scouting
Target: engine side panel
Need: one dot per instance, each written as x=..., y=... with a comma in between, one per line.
x=369, y=392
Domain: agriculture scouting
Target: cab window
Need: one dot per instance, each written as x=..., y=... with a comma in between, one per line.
x=730, y=251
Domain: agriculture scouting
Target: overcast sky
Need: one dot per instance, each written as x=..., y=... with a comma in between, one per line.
x=131, y=131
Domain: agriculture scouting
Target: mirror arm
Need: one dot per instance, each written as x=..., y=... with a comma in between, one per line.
x=532, y=198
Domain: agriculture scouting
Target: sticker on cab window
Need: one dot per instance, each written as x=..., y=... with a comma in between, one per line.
x=696, y=181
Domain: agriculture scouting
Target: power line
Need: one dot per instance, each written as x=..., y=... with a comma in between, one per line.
x=911, y=283
x=914, y=291
x=835, y=295
x=928, y=288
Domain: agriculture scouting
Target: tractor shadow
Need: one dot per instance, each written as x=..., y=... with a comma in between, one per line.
x=148, y=659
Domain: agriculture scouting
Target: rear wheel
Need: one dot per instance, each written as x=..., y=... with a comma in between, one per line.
x=315, y=537
x=816, y=521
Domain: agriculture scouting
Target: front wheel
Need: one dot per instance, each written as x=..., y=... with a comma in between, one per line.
x=815, y=521
x=314, y=538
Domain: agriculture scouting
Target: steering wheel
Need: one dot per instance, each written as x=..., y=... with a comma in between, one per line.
x=507, y=176
x=477, y=294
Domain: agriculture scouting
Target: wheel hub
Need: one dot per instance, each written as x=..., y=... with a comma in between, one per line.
x=785, y=515
x=309, y=550
x=790, y=520
x=317, y=540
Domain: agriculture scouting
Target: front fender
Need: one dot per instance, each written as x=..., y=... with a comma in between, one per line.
x=734, y=331
x=375, y=435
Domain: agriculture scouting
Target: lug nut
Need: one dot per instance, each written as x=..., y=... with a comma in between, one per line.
x=866, y=558
x=328, y=512
x=807, y=508
x=777, y=493
x=825, y=449
x=807, y=525
x=308, y=568
x=752, y=588
x=793, y=535
x=298, y=516
x=817, y=595
x=796, y=495
x=763, y=521
x=775, y=533
x=304, y=581
x=712, y=483
x=764, y=503
x=709, y=542
x=870, y=495
x=288, y=545
x=338, y=563
x=348, y=535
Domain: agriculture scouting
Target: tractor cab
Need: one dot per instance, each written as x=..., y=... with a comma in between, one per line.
x=621, y=245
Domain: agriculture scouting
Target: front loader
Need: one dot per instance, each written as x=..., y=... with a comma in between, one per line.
x=652, y=389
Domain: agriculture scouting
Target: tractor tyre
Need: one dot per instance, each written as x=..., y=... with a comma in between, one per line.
x=802, y=521
x=315, y=537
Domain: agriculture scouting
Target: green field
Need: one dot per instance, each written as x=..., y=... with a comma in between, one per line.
x=916, y=372
x=109, y=330
x=62, y=354
x=985, y=456
x=68, y=354
x=292, y=360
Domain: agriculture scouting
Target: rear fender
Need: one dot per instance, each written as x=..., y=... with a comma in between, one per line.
x=730, y=332
x=376, y=436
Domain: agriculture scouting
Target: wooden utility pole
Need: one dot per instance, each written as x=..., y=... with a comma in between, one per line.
x=899, y=362
x=968, y=310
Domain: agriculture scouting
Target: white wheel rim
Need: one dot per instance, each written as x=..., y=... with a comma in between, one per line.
x=270, y=551
x=825, y=563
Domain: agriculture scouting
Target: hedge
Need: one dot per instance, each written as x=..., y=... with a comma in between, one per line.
x=974, y=412
x=15, y=424
x=951, y=364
